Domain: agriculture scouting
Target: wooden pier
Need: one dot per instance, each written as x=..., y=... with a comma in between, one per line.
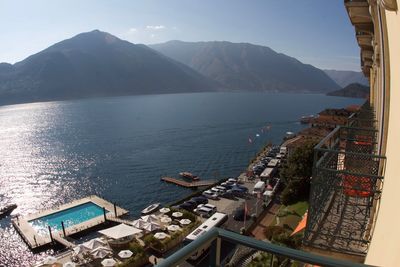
x=182, y=183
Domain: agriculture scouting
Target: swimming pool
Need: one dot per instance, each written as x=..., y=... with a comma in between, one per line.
x=70, y=217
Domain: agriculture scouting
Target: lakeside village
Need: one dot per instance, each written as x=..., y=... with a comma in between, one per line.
x=268, y=201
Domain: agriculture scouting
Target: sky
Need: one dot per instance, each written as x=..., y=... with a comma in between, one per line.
x=316, y=32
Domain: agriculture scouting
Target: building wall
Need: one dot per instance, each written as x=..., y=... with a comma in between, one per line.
x=385, y=245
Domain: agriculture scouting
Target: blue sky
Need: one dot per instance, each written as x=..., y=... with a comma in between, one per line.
x=317, y=32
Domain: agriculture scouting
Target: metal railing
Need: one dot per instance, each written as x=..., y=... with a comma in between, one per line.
x=345, y=187
x=215, y=236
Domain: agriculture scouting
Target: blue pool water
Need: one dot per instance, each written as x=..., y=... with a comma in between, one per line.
x=70, y=217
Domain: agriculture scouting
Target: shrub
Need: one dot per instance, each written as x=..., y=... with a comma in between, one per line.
x=135, y=261
x=136, y=248
x=296, y=190
x=284, y=238
x=271, y=231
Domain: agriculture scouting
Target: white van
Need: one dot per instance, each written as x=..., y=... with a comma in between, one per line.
x=258, y=188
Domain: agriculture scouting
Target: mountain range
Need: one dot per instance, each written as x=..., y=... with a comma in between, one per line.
x=244, y=66
x=96, y=64
x=346, y=77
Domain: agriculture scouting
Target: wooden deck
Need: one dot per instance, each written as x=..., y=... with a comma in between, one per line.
x=35, y=239
x=187, y=184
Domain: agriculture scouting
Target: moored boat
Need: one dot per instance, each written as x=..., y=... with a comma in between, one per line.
x=189, y=175
x=4, y=211
x=150, y=209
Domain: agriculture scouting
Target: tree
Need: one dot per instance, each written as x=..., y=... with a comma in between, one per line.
x=296, y=174
x=299, y=164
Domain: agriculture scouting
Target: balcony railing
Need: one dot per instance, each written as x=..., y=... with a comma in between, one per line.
x=345, y=188
x=286, y=256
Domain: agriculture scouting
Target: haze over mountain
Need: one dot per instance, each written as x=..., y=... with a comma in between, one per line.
x=96, y=64
x=346, y=77
x=354, y=90
x=244, y=66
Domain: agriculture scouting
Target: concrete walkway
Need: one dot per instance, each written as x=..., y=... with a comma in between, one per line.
x=268, y=219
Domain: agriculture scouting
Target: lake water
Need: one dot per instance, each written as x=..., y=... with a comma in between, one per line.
x=118, y=148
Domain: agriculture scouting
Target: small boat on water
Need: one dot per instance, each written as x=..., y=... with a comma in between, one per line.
x=4, y=211
x=189, y=175
x=150, y=209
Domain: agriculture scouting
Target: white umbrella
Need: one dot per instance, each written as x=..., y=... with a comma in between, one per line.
x=177, y=214
x=174, y=228
x=95, y=243
x=49, y=260
x=150, y=218
x=139, y=223
x=165, y=210
x=69, y=264
x=165, y=219
x=185, y=221
x=80, y=249
x=150, y=227
x=160, y=235
x=100, y=252
x=125, y=254
x=108, y=262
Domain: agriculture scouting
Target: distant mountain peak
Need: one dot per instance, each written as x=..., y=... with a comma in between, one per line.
x=96, y=64
x=354, y=90
x=245, y=66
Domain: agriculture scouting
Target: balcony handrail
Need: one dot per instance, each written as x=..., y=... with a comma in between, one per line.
x=326, y=138
x=352, y=153
x=218, y=233
x=352, y=173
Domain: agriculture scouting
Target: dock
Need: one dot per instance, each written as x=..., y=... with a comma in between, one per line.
x=182, y=183
x=34, y=239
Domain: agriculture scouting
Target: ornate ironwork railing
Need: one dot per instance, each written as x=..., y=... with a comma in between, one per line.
x=345, y=188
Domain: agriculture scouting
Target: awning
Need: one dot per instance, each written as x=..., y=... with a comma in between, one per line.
x=120, y=231
x=301, y=225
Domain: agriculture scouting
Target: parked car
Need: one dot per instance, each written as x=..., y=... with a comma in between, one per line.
x=209, y=194
x=220, y=188
x=227, y=185
x=205, y=212
x=188, y=205
x=200, y=200
x=216, y=190
x=211, y=206
x=241, y=187
x=236, y=192
x=228, y=194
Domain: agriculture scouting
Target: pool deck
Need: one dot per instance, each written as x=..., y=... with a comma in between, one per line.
x=35, y=240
